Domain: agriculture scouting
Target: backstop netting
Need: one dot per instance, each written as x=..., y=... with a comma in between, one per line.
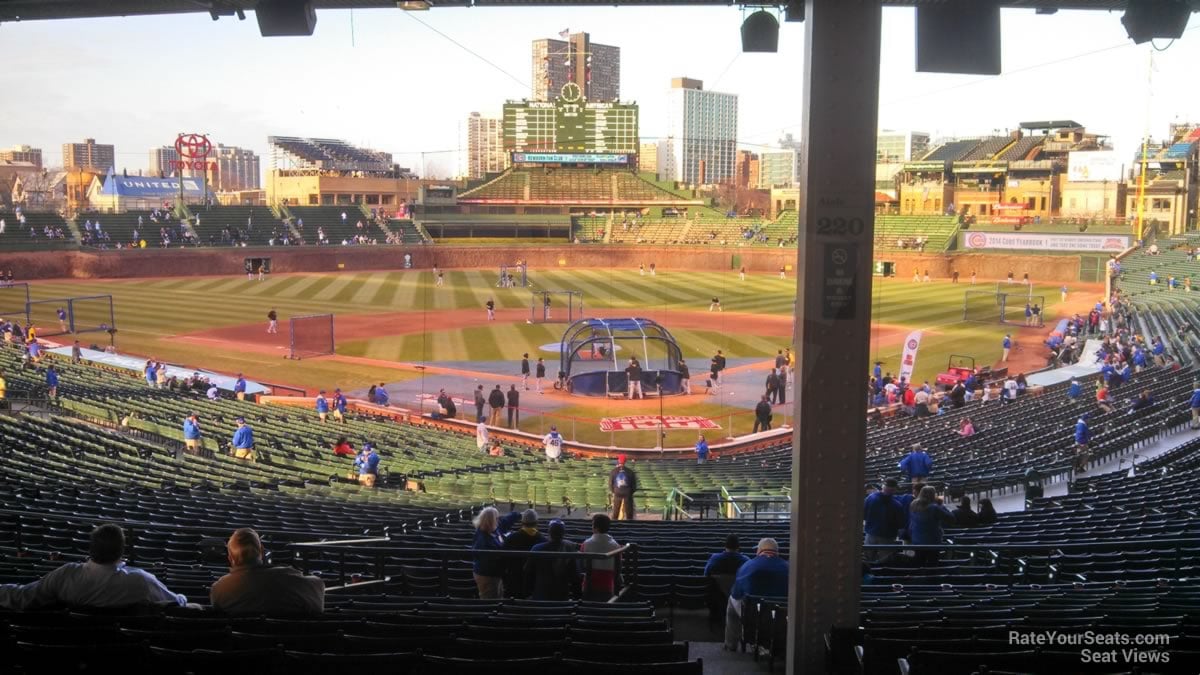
x=14, y=301
x=555, y=306
x=311, y=335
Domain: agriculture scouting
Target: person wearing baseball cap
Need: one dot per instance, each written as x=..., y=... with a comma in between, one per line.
x=191, y=433
x=551, y=579
x=622, y=483
x=553, y=443
x=339, y=406
x=243, y=440
x=766, y=575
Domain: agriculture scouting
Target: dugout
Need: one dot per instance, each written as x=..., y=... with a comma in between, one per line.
x=595, y=353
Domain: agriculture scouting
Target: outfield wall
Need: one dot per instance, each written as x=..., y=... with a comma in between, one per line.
x=209, y=261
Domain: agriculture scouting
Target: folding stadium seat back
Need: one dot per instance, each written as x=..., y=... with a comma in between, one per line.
x=576, y=667
x=626, y=653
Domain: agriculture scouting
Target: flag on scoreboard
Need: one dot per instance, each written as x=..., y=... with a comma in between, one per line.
x=908, y=359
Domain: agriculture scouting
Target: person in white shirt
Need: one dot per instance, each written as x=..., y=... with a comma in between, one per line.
x=481, y=436
x=103, y=582
x=553, y=443
x=213, y=393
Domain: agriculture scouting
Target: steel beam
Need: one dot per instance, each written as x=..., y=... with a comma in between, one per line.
x=833, y=321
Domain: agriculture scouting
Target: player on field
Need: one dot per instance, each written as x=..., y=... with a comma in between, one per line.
x=272, y=321
x=642, y=270
x=715, y=304
x=525, y=371
x=742, y=274
x=540, y=373
x=491, y=309
x=62, y=319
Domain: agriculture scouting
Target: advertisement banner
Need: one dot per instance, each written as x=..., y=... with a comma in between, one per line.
x=908, y=359
x=1096, y=165
x=650, y=423
x=1045, y=242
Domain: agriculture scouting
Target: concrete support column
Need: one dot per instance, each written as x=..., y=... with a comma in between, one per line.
x=833, y=321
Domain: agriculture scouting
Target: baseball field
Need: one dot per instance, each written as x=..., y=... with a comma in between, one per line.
x=398, y=327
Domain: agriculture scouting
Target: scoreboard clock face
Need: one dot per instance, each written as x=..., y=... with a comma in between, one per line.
x=571, y=92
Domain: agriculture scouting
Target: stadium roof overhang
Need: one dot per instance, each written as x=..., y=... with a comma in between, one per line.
x=26, y=10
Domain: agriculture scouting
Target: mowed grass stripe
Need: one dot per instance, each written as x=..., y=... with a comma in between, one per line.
x=342, y=290
x=371, y=285
x=462, y=296
x=385, y=292
x=274, y=287
x=309, y=289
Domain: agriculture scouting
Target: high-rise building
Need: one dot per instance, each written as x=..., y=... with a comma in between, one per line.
x=778, y=168
x=88, y=155
x=236, y=169
x=648, y=157
x=596, y=68
x=22, y=153
x=485, y=146
x=746, y=169
x=702, y=126
x=161, y=162
x=900, y=146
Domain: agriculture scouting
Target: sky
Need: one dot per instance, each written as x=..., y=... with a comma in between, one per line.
x=404, y=82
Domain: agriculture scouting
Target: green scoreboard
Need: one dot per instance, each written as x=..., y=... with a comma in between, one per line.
x=570, y=124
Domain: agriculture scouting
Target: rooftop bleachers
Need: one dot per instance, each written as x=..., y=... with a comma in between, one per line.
x=1021, y=149
x=953, y=151
x=332, y=154
x=987, y=148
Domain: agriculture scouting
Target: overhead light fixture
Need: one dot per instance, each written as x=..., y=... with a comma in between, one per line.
x=1046, y=10
x=414, y=5
x=794, y=10
x=1147, y=20
x=760, y=32
x=285, y=17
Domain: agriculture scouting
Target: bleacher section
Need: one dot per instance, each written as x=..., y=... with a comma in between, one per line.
x=936, y=231
x=953, y=151
x=589, y=229
x=572, y=186
x=1021, y=149
x=307, y=219
x=229, y=225
x=121, y=227
x=18, y=237
x=331, y=154
x=987, y=148
x=406, y=230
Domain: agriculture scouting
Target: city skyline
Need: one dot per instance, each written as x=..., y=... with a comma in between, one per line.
x=417, y=115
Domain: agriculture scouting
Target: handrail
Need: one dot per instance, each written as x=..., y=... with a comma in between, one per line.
x=730, y=508
x=674, y=506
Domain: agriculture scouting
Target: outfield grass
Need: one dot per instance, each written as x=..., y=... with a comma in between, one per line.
x=150, y=310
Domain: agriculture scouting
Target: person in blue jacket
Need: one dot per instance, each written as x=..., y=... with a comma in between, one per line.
x=1159, y=351
x=191, y=432
x=1139, y=359
x=1006, y=345
x=322, y=406
x=1194, y=404
x=882, y=518
x=51, y=382
x=339, y=406
x=918, y=464
x=765, y=576
x=368, y=467
x=243, y=440
x=927, y=516
x=239, y=387
x=1083, y=436
x=1075, y=390
x=488, y=570
x=701, y=450
x=381, y=395
x=151, y=372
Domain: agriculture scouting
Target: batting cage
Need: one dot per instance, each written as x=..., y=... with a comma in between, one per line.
x=555, y=306
x=62, y=316
x=595, y=353
x=514, y=276
x=14, y=301
x=992, y=307
x=311, y=335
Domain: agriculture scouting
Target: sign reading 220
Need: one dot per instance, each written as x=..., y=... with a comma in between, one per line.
x=841, y=226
